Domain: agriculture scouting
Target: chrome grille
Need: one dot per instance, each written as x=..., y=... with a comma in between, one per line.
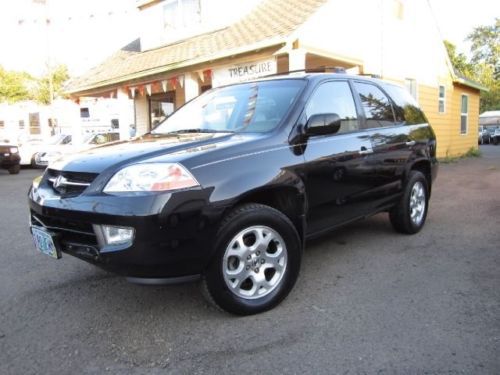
x=69, y=184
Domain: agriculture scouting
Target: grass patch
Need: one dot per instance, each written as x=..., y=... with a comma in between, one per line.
x=471, y=153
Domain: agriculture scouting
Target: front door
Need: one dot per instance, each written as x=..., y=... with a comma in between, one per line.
x=337, y=166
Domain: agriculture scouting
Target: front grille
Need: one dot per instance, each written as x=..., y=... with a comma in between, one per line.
x=69, y=184
x=69, y=231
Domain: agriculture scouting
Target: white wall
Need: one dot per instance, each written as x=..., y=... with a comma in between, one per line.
x=68, y=117
x=371, y=31
x=215, y=14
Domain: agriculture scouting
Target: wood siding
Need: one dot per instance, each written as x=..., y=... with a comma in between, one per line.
x=447, y=125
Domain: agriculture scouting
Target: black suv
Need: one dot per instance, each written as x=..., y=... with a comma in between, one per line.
x=233, y=183
x=9, y=157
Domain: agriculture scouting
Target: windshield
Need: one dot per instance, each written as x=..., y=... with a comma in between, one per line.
x=59, y=139
x=249, y=107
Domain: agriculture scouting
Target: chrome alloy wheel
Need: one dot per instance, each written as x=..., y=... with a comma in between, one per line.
x=254, y=262
x=417, y=203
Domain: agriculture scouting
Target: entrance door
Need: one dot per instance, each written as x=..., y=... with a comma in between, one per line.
x=160, y=107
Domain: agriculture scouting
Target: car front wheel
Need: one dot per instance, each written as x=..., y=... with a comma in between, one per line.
x=256, y=263
x=409, y=215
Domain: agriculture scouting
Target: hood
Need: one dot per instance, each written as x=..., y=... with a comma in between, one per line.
x=164, y=147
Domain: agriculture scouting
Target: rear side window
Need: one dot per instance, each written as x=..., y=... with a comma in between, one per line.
x=335, y=97
x=405, y=107
x=376, y=105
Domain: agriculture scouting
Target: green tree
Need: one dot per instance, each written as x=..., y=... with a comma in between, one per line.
x=485, y=49
x=14, y=86
x=459, y=61
x=485, y=45
x=59, y=76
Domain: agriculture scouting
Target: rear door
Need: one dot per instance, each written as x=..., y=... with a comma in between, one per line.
x=390, y=141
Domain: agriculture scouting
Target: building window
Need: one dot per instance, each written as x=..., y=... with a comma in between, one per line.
x=2, y=124
x=399, y=9
x=84, y=112
x=411, y=86
x=442, y=99
x=34, y=123
x=21, y=124
x=181, y=14
x=464, y=114
x=160, y=107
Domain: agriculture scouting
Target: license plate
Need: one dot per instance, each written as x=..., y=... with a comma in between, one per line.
x=44, y=242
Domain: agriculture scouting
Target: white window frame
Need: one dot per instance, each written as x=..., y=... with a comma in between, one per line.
x=179, y=26
x=466, y=114
x=443, y=99
x=408, y=87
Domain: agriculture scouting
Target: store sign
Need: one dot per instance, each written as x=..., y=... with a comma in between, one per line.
x=243, y=72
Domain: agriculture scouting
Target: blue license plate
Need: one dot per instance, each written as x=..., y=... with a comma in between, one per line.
x=44, y=242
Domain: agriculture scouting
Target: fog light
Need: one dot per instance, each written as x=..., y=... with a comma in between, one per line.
x=117, y=235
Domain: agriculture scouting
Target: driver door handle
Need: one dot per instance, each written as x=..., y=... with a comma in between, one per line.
x=365, y=151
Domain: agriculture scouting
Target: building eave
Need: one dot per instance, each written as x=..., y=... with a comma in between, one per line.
x=105, y=84
x=469, y=83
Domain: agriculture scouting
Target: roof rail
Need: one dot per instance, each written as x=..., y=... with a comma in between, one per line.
x=320, y=69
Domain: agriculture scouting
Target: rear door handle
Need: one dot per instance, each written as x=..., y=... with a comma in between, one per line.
x=365, y=151
x=411, y=143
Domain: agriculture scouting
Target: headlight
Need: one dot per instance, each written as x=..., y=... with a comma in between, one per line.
x=13, y=150
x=151, y=177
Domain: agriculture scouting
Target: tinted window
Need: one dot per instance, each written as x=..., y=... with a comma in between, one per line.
x=377, y=107
x=335, y=97
x=247, y=107
x=405, y=107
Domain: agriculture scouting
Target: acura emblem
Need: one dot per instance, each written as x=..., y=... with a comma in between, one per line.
x=60, y=180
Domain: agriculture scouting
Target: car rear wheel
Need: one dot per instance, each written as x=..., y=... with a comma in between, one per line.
x=15, y=169
x=256, y=263
x=409, y=215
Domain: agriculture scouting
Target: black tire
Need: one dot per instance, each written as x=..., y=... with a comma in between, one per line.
x=401, y=214
x=495, y=141
x=246, y=218
x=33, y=162
x=15, y=169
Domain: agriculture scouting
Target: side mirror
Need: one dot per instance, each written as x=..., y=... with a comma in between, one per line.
x=322, y=124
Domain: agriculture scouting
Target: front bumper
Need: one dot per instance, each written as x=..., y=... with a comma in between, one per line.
x=174, y=232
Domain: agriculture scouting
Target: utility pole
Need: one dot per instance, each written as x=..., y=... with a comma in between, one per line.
x=47, y=21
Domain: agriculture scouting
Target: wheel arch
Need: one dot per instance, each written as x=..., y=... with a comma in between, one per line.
x=423, y=166
x=288, y=199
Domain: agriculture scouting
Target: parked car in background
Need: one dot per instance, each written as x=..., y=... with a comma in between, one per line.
x=28, y=148
x=62, y=145
x=9, y=157
x=495, y=137
x=231, y=185
x=483, y=135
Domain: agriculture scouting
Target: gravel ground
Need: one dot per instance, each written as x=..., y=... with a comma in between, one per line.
x=368, y=301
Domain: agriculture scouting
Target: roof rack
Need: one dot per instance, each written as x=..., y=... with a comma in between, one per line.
x=320, y=69
x=324, y=69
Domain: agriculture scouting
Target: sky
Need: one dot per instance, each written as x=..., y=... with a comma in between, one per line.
x=457, y=18
x=82, y=34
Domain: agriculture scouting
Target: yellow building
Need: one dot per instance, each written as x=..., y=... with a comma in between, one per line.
x=189, y=46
